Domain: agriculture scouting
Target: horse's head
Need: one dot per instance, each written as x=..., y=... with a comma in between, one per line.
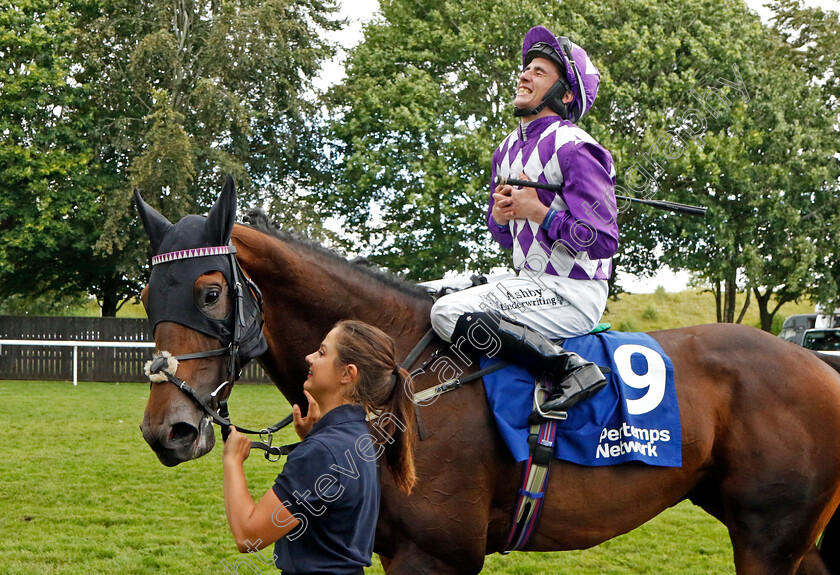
x=205, y=315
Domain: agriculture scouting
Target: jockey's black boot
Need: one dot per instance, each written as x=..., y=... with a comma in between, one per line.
x=573, y=378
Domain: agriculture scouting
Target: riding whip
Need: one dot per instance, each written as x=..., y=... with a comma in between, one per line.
x=660, y=204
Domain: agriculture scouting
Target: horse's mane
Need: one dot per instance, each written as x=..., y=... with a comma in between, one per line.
x=258, y=220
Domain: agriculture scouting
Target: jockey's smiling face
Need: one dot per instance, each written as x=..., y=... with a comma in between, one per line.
x=534, y=81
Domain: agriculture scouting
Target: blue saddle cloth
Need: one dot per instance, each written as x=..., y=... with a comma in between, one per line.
x=635, y=417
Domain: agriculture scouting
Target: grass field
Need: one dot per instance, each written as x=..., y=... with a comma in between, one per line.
x=81, y=493
x=665, y=310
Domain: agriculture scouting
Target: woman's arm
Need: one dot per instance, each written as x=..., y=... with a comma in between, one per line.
x=254, y=525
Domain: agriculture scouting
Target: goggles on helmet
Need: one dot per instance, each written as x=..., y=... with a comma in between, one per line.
x=545, y=50
x=554, y=97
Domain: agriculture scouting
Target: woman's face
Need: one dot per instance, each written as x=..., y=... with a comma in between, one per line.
x=325, y=371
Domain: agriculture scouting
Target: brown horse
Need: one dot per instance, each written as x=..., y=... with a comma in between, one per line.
x=760, y=420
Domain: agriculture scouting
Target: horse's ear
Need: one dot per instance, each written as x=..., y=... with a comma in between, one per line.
x=222, y=215
x=156, y=225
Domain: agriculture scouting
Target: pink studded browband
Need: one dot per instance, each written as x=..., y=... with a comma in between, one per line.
x=193, y=253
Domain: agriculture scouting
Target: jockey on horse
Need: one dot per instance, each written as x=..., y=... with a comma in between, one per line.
x=562, y=243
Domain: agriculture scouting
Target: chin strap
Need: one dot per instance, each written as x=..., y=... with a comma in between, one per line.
x=557, y=105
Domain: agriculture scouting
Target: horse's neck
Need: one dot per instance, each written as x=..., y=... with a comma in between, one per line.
x=306, y=292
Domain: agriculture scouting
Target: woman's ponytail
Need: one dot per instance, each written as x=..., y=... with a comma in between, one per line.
x=399, y=455
x=384, y=389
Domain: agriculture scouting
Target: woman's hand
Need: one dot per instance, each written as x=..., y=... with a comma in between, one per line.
x=237, y=447
x=254, y=525
x=303, y=425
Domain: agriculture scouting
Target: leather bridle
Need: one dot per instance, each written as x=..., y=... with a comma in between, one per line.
x=161, y=368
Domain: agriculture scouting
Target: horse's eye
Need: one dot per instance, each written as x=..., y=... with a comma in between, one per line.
x=212, y=297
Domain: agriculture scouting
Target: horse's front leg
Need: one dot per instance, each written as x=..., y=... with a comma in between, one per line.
x=386, y=562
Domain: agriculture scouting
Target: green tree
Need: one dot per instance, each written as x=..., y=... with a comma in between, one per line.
x=427, y=99
x=706, y=108
x=183, y=92
x=763, y=175
x=814, y=34
x=163, y=95
x=47, y=215
x=764, y=167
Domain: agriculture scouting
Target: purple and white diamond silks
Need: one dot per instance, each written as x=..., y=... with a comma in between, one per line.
x=581, y=239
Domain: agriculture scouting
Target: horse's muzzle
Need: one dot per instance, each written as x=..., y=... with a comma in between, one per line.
x=180, y=441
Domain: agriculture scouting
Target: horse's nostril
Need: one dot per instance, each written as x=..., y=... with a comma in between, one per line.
x=183, y=433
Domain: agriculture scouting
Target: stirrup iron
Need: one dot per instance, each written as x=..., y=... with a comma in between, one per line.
x=541, y=393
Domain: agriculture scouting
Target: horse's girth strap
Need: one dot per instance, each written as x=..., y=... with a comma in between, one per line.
x=532, y=493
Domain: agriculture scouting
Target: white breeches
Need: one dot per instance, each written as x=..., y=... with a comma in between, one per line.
x=556, y=307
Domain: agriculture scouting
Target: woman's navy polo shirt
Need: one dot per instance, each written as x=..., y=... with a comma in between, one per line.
x=330, y=484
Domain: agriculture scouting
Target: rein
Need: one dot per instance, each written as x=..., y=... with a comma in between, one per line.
x=428, y=395
x=163, y=367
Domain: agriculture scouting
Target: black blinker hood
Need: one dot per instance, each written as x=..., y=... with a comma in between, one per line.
x=170, y=295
